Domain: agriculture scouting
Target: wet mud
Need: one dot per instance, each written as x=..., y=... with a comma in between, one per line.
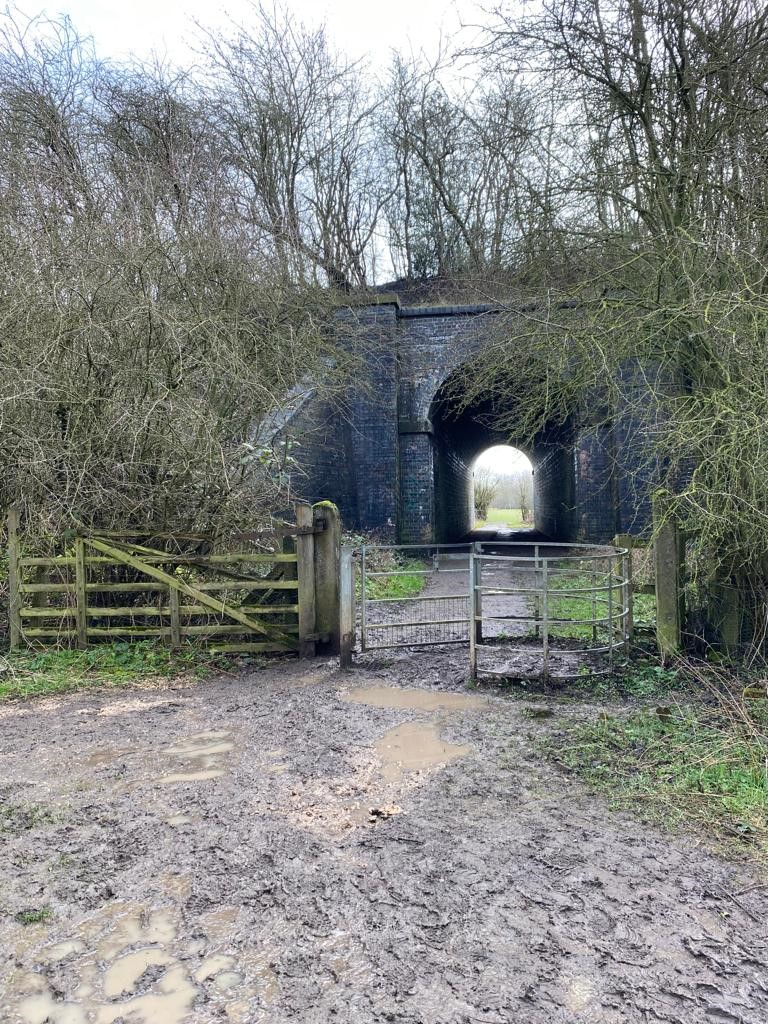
x=378, y=846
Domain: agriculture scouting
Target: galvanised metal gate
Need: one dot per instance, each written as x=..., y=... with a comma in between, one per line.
x=413, y=595
x=565, y=603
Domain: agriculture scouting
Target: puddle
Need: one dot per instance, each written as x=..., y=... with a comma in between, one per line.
x=62, y=950
x=121, y=978
x=412, y=700
x=212, y=966
x=128, y=964
x=228, y=980
x=218, y=925
x=125, y=707
x=105, y=755
x=308, y=679
x=414, y=747
x=170, y=1004
x=40, y=1006
x=202, y=744
x=205, y=748
x=201, y=776
x=580, y=993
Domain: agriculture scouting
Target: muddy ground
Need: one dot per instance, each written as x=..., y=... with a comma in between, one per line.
x=207, y=853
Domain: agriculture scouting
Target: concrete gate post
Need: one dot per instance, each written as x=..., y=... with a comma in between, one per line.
x=327, y=556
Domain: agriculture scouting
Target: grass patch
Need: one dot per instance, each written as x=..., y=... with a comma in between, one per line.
x=512, y=517
x=644, y=610
x=40, y=916
x=17, y=818
x=404, y=584
x=62, y=670
x=699, y=766
x=579, y=606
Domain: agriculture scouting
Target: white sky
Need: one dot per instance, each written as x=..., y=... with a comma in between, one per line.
x=504, y=459
x=166, y=27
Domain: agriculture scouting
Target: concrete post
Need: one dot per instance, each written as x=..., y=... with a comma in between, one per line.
x=669, y=566
x=327, y=558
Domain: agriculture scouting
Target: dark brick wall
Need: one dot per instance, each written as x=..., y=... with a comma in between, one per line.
x=594, y=472
x=417, y=488
x=432, y=346
x=553, y=491
x=453, y=495
x=396, y=462
x=324, y=469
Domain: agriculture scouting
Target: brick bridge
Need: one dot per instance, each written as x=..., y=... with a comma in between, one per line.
x=396, y=458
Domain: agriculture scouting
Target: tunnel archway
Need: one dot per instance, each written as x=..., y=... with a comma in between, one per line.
x=461, y=431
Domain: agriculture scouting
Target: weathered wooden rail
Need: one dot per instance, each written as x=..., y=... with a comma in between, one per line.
x=240, y=595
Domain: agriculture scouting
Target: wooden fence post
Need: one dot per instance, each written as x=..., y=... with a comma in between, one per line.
x=305, y=554
x=81, y=594
x=174, y=604
x=727, y=599
x=326, y=556
x=14, y=595
x=668, y=565
x=346, y=606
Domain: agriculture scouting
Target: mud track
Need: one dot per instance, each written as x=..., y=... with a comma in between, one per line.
x=301, y=845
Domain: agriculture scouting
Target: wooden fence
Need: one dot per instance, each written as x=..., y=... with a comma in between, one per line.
x=251, y=593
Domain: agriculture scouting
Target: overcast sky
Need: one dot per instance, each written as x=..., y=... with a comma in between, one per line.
x=503, y=459
x=166, y=26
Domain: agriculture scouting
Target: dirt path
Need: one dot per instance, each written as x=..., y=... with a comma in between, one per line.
x=208, y=854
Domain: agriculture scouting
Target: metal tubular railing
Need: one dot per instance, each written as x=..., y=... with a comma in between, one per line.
x=594, y=576
x=549, y=595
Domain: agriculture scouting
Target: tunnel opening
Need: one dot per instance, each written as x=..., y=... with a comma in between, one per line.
x=502, y=484
x=462, y=432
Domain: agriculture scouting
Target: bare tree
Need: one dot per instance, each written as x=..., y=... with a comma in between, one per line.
x=485, y=486
x=661, y=112
x=146, y=331
x=458, y=159
x=297, y=130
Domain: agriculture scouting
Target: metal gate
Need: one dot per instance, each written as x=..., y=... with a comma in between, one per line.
x=414, y=595
x=556, y=606
x=559, y=603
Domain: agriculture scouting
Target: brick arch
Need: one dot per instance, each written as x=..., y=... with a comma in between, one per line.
x=437, y=470
x=387, y=456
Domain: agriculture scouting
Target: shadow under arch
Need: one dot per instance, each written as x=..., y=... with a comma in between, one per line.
x=462, y=431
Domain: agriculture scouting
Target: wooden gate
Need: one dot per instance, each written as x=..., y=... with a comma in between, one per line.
x=256, y=593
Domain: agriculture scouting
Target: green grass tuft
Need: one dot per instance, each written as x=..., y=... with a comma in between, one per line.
x=16, y=818
x=404, y=584
x=689, y=766
x=62, y=670
x=40, y=916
